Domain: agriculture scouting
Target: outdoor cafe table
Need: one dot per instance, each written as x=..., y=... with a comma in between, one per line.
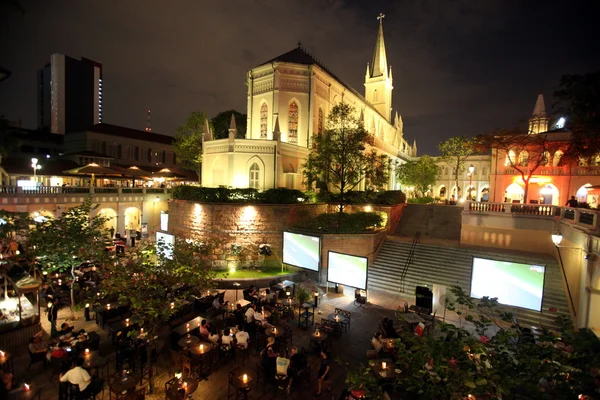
x=200, y=354
x=284, y=284
x=188, y=326
x=318, y=340
x=243, y=302
x=391, y=371
x=122, y=384
x=188, y=385
x=338, y=323
x=94, y=360
x=279, y=332
x=188, y=341
x=120, y=327
x=33, y=392
x=6, y=362
x=411, y=318
x=241, y=385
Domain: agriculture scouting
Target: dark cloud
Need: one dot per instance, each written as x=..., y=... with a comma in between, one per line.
x=460, y=67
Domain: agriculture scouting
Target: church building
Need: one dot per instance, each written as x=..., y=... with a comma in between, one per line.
x=289, y=98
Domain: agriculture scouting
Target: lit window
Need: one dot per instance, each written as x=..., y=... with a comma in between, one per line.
x=293, y=122
x=264, y=117
x=523, y=158
x=254, y=176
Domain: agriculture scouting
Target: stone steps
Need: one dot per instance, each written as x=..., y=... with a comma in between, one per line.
x=451, y=266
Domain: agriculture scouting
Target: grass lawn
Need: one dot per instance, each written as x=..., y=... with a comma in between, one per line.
x=252, y=273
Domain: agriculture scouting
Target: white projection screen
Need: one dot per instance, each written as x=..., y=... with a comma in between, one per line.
x=164, y=244
x=302, y=250
x=346, y=269
x=514, y=284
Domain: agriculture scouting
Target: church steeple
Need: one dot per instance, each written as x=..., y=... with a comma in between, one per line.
x=232, y=127
x=538, y=122
x=378, y=80
x=379, y=65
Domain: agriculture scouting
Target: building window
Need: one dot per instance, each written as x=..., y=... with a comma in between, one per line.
x=254, y=176
x=374, y=95
x=523, y=158
x=320, y=122
x=136, y=154
x=510, y=158
x=264, y=118
x=293, y=123
x=149, y=155
x=557, y=156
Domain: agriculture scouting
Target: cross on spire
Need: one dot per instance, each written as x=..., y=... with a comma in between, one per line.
x=299, y=44
x=380, y=17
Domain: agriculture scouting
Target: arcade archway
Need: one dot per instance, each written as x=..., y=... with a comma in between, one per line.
x=111, y=222
x=514, y=193
x=132, y=219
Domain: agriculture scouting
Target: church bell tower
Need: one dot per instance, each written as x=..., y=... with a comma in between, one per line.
x=378, y=79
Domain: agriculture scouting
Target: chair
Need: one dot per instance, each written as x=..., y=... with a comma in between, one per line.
x=225, y=352
x=35, y=358
x=288, y=337
x=169, y=385
x=232, y=390
x=186, y=365
x=125, y=359
x=360, y=298
x=345, y=315
x=139, y=394
x=242, y=353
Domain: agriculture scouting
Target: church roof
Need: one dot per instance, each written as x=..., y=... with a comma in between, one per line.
x=301, y=56
x=540, y=108
x=379, y=64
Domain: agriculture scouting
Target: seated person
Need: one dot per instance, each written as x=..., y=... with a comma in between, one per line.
x=238, y=315
x=242, y=337
x=259, y=316
x=36, y=344
x=253, y=294
x=390, y=332
x=376, y=342
x=2, y=316
x=218, y=305
x=227, y=338
x=204, y=329
x=80, y=377
x=65, y=329
x=213, y=337
x=270, y=298
x=250, y=313
x=60, y=352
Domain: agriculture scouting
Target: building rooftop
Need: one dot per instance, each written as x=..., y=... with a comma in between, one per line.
x=124, y=132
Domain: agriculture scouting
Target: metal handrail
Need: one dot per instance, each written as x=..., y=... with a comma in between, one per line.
x=411, y=252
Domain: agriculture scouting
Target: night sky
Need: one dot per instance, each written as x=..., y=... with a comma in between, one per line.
x=460, y=67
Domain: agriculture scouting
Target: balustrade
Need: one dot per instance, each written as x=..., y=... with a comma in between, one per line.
x=587, y=219
x=54, y=190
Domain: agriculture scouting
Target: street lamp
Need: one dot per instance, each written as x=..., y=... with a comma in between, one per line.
x=35, y=166
x=471, y=170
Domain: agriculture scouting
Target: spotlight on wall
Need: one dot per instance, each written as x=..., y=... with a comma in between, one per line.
x=264, y=249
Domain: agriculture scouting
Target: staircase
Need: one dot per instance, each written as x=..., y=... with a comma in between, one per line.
x=431, y=220
x=449, y=266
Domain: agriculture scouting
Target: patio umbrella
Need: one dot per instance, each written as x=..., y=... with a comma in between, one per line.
x=93, y=170
x=167, y=173
x=135, y=172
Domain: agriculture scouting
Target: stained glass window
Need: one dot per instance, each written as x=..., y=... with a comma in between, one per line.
x=264, y=115
x=320, y=122
x=293, y=123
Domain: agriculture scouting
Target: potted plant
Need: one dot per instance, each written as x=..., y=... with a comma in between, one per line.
x=302, y=295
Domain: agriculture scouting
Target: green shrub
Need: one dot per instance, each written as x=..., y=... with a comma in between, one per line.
x=214, y=195
x=390, y=197
x=282, y=196
x=421, y=200
x=360, y=222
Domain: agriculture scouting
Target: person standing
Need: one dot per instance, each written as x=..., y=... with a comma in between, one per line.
x=572, y=202
x=53, y=317
x=323, y=374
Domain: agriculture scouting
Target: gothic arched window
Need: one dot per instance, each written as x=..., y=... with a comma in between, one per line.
x=320, y=122
x=254, y=182
x=264, y=117
x=293, y=123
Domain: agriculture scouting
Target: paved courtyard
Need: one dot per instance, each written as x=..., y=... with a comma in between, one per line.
x=349, y=351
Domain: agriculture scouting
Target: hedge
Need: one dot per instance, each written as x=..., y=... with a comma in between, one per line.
x=359, y=222
x=388, y=197
x=225, y=195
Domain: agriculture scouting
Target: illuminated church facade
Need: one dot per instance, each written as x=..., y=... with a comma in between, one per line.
x=289, y=99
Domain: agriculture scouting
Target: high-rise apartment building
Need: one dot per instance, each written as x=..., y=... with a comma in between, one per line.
x=69, y=94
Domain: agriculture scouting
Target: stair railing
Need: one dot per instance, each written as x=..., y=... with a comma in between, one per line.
x=411, y=252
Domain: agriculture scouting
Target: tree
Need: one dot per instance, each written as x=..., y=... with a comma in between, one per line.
x=455, y=152
x=524, y=152
x=157, y=281
x=14, y=225
x=221, y=121
x=339, y=157
x=421, y=174
x=456, y=362
x=188, y=142
x=578, y=99
x=8, y=139
x=64, y=243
